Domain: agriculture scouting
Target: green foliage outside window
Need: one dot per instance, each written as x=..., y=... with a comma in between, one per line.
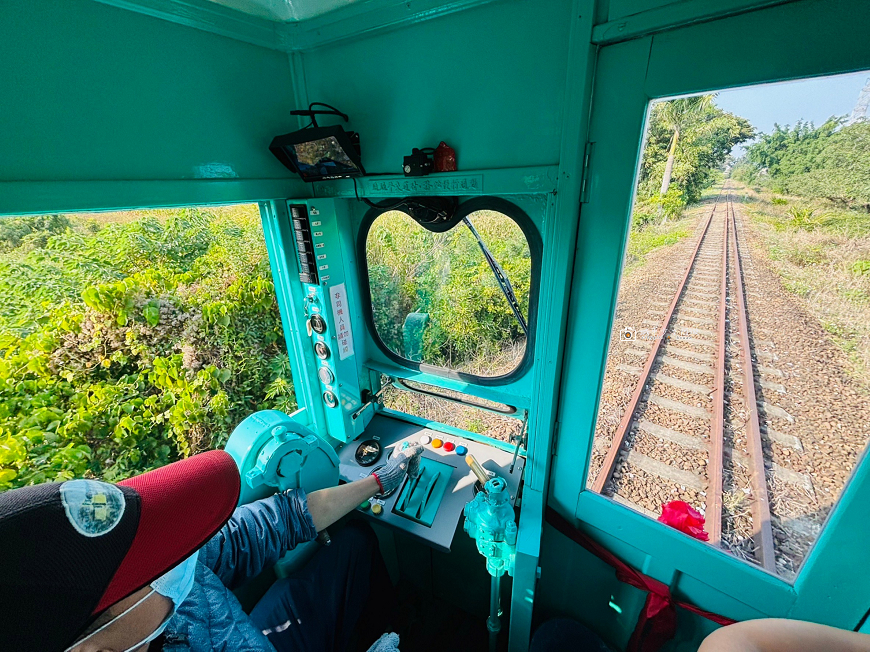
x=705, y=135
x=125, y=346
x=826, y=162
x=471, y=326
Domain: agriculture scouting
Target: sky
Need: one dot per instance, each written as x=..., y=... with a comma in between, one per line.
x=787, y=102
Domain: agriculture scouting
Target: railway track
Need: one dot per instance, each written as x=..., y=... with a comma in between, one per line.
x=698, y=371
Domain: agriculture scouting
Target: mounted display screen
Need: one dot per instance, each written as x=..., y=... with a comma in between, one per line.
x=319, y=153
x=436, y=299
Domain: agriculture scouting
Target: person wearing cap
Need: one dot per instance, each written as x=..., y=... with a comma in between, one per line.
x=150, y=563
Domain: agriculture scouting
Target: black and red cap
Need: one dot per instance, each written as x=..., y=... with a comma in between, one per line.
x=70, y=550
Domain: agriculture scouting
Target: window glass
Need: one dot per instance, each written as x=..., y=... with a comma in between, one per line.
x=424, y=403
x=734, y=404
x=436, y=299
x=131, y=339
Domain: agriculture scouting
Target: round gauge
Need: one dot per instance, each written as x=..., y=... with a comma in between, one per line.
x=326, y=376
x=318, y=324
x=330, y=399
x=321, y=350
x=368, y=452
x=387, y=494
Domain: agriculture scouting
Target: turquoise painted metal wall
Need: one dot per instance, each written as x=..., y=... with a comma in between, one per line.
x=489, y=80
x=94, y=95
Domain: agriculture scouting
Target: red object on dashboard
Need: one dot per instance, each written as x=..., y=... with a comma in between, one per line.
x=444, y=158
x=685, y=518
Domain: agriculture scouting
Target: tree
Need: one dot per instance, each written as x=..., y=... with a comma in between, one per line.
x=686, y=157
x=830, y=162
x=679, y=115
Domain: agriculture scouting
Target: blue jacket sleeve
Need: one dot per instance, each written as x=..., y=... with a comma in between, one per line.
x=257, y=535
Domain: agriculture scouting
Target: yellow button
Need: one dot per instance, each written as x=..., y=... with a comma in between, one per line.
x=377, y=509
x=437, y=443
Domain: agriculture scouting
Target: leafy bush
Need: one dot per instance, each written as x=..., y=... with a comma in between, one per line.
x=642, y=216
x=446, y=276
x=778, y=201
x=801, y=218
x=34, y=230
x=125, y=347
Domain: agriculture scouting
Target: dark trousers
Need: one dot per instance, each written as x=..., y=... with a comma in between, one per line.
x=334, y=601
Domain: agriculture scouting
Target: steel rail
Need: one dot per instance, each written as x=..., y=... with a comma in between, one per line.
x=713, y=512
x=762, y=530
x=609, y=464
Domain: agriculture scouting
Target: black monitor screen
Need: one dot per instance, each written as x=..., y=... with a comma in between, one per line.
x=322, y=158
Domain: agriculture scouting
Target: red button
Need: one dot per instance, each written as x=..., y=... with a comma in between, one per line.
x=449, y=446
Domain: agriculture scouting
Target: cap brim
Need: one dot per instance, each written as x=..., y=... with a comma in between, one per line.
x=182, y=506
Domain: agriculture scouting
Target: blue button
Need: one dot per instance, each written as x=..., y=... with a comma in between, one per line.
x=461, y=450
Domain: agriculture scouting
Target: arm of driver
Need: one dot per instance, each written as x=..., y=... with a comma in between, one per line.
x=257, y=535
x=781, y=635
x=328, y=505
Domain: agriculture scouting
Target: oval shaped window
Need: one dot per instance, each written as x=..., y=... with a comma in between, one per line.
x=457, y=300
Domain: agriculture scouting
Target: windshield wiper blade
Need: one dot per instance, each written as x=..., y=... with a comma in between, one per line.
x=500, y=276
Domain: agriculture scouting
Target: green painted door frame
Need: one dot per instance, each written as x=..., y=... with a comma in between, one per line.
x=808, y=38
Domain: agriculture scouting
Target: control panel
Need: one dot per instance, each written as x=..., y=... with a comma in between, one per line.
x=429, y=506
x=328, y=310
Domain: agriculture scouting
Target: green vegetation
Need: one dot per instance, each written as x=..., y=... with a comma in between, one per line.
x=125, y=346
x=653, y=237
x=688, y=141
x=828, y=162
x=821, y=250
x=445, y=276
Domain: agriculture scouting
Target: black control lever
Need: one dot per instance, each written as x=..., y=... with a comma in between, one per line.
x=374, y=399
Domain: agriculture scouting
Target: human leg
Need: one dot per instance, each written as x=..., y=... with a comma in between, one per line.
x=317, y=608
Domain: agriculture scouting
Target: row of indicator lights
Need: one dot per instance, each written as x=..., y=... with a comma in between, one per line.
x=449, y=446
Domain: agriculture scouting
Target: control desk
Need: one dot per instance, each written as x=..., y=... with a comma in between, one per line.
x=429, y=506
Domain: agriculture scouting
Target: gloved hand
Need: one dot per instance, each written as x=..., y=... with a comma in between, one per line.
x=406, y=460
x=387, y=643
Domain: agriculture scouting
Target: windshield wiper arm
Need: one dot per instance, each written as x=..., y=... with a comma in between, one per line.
x=500, y=276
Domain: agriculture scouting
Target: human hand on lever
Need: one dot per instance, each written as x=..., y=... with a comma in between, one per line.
x=403, y=461
x=328, y=505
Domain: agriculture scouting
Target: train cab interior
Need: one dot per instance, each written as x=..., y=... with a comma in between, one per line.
x=469, y=245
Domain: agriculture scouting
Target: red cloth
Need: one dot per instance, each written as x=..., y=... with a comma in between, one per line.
x=685, y=518
x=657, y=621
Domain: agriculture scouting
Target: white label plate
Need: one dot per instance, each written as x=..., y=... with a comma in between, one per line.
x=341, y=316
